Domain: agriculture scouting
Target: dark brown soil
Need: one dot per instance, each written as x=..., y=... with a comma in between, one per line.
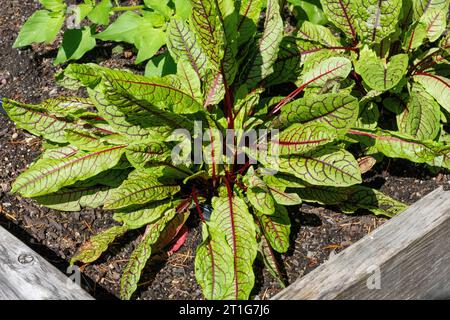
x=317, y=232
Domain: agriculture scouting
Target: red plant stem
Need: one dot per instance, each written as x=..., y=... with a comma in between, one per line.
x=197, y=205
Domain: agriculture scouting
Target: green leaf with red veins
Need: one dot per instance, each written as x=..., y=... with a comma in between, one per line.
x=135, y=219
x=161, y=92
x=232, y=218
x=212, y=264
x=302, y=138
x=120, y=118
x=286, y=67
x=190, y=80
x=73, y=106
x=84, y=140
x=375, y=20
x=142, y=186
x=435, y=21
x=249, y=13
x=140, y=255
x=142, y=154
x=437, y=86
x=258, y=194
x=80, y=75
x=74, y=199
x=270, y=261
x=261, y=65
x=337, y=110
x=276, y=228
x=421, y=117
x=327, y=166
x=396, y=145
x=329, y=69
x=352, y=198
x=421, y=7
x=183, y=44
x=39, y=121
x=205, y=21
x=342, y=15
x=49, y=175
x=317, y=33
x=92, y=249
x=380, y=74
x=284, y=198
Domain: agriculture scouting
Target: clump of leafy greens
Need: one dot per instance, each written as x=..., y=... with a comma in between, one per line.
x=115, y=149
x=143, y=26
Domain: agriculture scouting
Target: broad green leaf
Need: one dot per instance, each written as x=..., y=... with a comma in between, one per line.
x=81, y=11
x=162, y=6
x=183, y=8
x=369, y=115
x=183, y=44
x=84, y=140
x=437, y=86
x=342, y=15
x=380, y=74
x=212, y=264
x=337, y=110
x=92, y=249
x=139, y=30
x=49, y=175
x=317, y=33
x=42, y=26
x=68, y=106
x=140, y=255
x=328, y=166
x=135, y=219
x=329, y=69
x=375, y=20
x=262, y=63
x=309, y=10
x=249, y=13
x=421, y=118
x=276, y=228
x=286, y=66
x=301, y=138
x=74, y=199
x=54, y=5
x=161, y=65
x=231, y=217
x=76, y=42
x=100, y=13
x=142, y=186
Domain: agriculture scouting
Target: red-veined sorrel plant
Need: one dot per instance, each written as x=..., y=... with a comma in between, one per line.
x=116, y=148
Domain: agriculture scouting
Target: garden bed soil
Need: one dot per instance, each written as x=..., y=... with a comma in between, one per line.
x=317, y=232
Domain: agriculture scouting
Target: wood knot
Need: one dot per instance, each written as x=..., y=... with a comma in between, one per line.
x=25, y=258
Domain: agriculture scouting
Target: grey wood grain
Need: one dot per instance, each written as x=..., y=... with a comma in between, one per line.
x=410, y=254
x=25, y=275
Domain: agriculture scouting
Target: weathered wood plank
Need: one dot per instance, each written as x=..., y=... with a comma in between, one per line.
x=406, y=258
x=25, y=275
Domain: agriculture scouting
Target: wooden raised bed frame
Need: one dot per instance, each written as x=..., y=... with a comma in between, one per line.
x=408, y=257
